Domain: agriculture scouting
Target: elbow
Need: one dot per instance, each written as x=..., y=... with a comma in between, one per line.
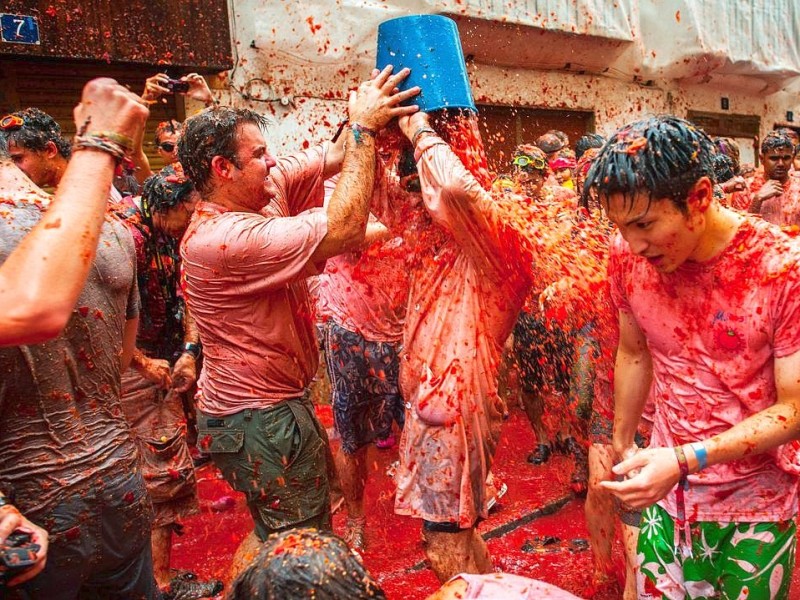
x=350, y=235
x=354, y=237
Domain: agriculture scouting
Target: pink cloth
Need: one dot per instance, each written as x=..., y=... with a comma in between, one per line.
x=245, y=285
x=466, y=291
x=714, y=330
x=366, y=291
x=504, y=586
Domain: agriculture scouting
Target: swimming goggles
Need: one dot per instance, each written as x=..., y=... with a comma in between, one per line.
x=524, y=160
x=11, y=123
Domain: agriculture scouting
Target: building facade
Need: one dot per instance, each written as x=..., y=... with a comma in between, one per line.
x=580, y=65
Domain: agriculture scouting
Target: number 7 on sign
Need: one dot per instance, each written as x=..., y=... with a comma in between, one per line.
x=19, y=23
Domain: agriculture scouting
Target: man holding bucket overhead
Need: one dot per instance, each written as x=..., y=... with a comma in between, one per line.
x=466, y=291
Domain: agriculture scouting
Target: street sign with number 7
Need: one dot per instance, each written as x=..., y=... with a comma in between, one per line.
x=19, y=29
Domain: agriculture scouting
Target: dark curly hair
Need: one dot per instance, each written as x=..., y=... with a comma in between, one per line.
x=305, y=563
x=774, y=140
x=662, y=156
x=590, y=140
x=164, y=190
x=38, y=129
x=212, y=132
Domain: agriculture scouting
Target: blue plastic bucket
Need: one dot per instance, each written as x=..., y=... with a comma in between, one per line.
x=428, y=45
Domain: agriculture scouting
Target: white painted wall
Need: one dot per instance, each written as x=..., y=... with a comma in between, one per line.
x=308, y=54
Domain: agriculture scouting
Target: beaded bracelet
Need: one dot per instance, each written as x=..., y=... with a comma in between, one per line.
x=92, y=141
x=118, y=138
x=359, y=131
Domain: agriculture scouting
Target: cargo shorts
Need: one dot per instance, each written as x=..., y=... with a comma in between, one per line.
x=277, y=457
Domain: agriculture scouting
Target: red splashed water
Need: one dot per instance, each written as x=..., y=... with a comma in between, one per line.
x=461, y=131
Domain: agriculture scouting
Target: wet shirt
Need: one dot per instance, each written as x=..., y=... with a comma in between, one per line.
x=62, y=427
x=465, y=295
x=244, y=277
x=779, y=210
x=504, y=586
x=713, y=330
x=160, y=333
x=366, y=291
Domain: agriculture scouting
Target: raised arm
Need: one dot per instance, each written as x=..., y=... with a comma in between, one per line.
x=370, y=108
x=42, y=278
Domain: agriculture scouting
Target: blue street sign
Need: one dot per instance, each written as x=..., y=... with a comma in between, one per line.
x=19, y=29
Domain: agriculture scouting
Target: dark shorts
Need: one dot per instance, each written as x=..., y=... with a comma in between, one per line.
x=448, y=527
x=99, y=545
x=366, y=395
x=277, y=458
x=544, y=354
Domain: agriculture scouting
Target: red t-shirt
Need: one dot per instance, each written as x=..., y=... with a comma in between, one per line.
x=714, y=330
x=244, y=276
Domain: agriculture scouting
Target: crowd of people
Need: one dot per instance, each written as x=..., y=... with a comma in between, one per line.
x=633, y=294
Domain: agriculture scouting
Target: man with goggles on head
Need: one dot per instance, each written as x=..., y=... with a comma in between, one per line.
x=530, y=169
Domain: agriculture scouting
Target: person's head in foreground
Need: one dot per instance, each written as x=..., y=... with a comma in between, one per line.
x=223, y=152
x=36, y=146
x=305, y=563
x=530, y=169
x=655, y=180
x=777, y=155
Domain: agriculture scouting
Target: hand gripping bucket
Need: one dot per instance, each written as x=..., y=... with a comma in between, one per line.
x=428, y=45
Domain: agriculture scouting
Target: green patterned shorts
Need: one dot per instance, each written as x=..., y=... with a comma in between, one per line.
x=730, y=560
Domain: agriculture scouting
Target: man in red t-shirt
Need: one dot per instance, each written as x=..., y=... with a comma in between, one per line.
x=257, y=233
x=776, y=195
x=709, y=316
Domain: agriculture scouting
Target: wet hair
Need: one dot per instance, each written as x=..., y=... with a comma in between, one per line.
x=305, y=563
x=663, y=156
x=4, y=148
x=790, y=133
x=590, y=140
x=549, y=143
x=164, y=190
x=212, y=132
x=560, y=135
x=38, y=129
x=774, y=140
x=723, y=168
x=730, y=148
x=167, y=127
x=531, y=151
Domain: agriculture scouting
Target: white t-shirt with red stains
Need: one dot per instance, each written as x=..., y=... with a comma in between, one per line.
x=714, y=330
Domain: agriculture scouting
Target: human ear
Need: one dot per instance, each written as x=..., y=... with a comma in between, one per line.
x=701, y=194
x=50, y=149
x=221, y=167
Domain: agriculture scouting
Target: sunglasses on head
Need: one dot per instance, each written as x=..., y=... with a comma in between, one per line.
x=11, y=122
x=529, y=161
x=167, y=146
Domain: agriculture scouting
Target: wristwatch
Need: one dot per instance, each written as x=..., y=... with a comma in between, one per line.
x=4, y=501
x=192, y=348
